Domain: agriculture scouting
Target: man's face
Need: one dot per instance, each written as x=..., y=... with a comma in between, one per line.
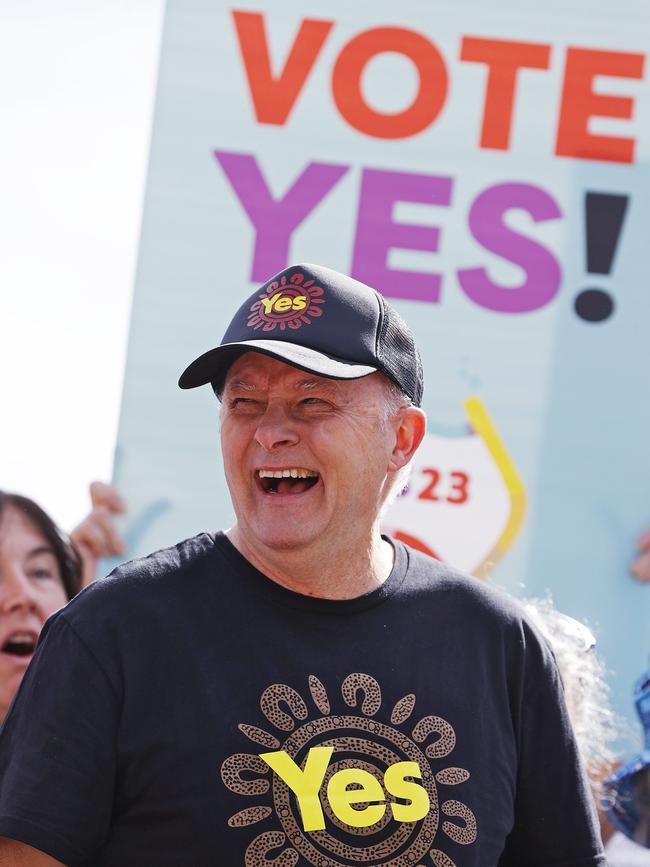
x=327, y=437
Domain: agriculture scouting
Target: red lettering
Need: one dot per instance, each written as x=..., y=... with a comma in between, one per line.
x=580, y=103
x=429, y=493
x=504, y=60
x=275, y=96
x=432, y=90
x=459, y=488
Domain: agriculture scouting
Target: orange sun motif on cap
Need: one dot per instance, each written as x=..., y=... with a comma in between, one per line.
x=286, y=303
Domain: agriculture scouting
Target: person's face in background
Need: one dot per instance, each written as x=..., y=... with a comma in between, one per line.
x=31, y=588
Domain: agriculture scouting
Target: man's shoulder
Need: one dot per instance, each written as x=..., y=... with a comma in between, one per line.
x=157, y=579
x=445, y=584
x=483, y=611
x=164, y=563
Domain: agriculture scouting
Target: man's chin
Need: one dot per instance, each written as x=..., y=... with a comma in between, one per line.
x=278, y=534
x=284, y=541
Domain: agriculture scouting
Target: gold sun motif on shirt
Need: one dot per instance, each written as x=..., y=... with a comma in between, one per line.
x=358, y=741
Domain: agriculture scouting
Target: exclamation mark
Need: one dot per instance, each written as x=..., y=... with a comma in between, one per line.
x=604, y=215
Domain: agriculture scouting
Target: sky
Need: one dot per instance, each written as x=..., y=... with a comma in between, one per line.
x=77, y=89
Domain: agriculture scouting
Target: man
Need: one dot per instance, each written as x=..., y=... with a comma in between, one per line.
x=298, y=690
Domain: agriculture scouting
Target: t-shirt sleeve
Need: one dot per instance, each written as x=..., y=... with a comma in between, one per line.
x=57, y=750
x=555, y=816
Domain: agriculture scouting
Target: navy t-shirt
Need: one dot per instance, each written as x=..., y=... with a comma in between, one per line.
x=189, y=711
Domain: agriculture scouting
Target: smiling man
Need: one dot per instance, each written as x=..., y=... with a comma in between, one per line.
x=298, y=690
x=307, y=464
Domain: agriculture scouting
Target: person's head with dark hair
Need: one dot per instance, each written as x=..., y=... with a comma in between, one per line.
x=39, y=572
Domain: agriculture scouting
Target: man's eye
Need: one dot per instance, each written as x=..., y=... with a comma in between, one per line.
x=314, y=401
x=41, y=573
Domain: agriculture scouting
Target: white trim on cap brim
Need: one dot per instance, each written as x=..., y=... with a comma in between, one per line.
x=206, y=367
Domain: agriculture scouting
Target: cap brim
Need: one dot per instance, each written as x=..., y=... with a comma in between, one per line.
x=213, y=365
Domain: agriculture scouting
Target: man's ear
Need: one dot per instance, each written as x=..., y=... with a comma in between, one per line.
x=411, y=427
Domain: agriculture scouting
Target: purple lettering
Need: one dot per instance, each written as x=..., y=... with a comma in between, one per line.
x=377, y=232
x=275, y=220
x=486, y=222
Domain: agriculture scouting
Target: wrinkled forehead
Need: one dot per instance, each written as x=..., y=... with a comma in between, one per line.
x=254, y=370
x=19, y=530
x=256, y=367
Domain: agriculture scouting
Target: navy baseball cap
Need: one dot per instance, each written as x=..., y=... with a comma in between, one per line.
x=320, y=321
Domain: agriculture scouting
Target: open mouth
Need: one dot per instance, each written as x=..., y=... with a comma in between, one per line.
x=294, y=480
x=20, y=644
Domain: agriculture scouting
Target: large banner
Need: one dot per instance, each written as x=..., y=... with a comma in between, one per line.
x=486, y=168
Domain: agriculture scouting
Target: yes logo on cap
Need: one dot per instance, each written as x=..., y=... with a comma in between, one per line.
x=286, y=303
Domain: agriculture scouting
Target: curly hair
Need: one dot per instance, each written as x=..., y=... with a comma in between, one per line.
x=583, y=674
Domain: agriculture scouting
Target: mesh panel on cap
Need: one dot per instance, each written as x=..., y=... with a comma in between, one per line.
x=399, y=355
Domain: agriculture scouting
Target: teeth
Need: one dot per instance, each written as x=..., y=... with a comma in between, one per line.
x=22, y=638
x=293, y=473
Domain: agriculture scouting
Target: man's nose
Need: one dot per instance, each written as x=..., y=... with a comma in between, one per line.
x=276, y=428
x=16, y=590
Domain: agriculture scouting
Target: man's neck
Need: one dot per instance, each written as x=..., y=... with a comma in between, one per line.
x=342, y=573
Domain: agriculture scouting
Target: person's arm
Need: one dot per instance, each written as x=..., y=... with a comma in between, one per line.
x=13, y=853
x=640, y=566
x=58, y=746
x=96, y=536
